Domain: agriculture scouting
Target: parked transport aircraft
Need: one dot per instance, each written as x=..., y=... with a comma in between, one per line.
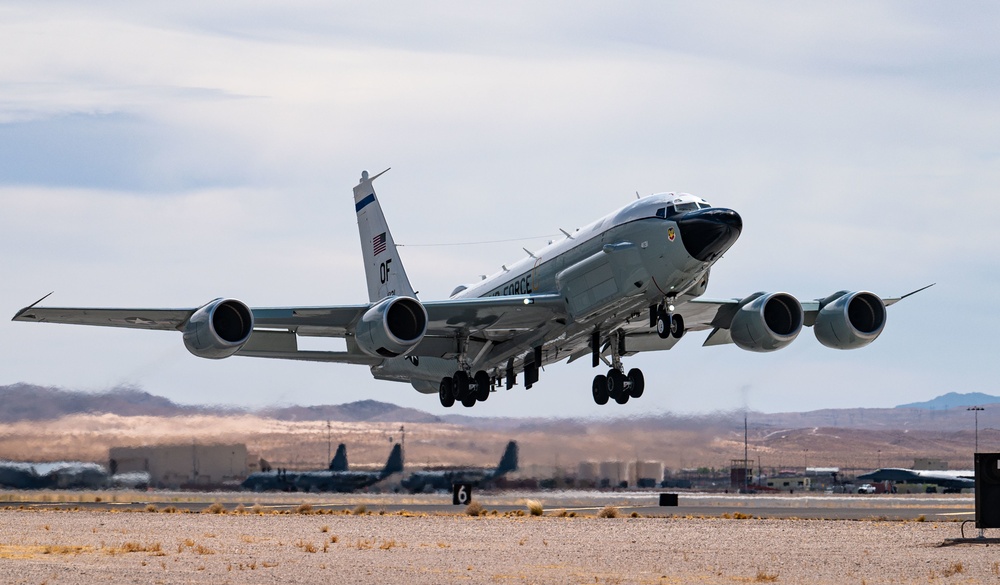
x=444, y=479
x=629, y=282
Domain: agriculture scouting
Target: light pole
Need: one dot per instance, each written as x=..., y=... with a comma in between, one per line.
x=976, y=410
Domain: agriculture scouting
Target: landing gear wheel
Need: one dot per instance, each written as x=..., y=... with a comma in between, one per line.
x=482, y=386
x=676, y=326
x=446, y=393
x=461, y=383
x=469, y=401
x=662, y=327
x=637, y=382
x=616, y=385
x=600, y=389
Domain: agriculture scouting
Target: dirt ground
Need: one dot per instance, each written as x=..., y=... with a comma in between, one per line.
x=71, y=547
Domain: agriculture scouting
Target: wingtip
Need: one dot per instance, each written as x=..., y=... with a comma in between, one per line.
x=19, y=314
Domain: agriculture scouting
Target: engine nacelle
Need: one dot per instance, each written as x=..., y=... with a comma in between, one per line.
x=219, y=329
x=392, y=327
x=849, y=320
x=766, y=322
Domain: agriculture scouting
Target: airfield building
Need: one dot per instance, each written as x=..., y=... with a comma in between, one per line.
x=174, y=466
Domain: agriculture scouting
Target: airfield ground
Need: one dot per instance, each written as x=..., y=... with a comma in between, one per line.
x=66, y=543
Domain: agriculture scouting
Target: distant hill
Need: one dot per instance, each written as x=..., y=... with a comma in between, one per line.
x=19, y=402
x=28, y=402
x=361, y=411
x=954, y=400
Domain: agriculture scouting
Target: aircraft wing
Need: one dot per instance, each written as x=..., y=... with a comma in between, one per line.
x=701, y=314
x=161, y=319
x=276, y=328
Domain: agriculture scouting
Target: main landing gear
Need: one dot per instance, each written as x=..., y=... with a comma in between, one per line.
x=616, y=384
x=619, y=386
x=465, y=389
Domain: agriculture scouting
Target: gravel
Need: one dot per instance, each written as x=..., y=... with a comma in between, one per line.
x=69, y=547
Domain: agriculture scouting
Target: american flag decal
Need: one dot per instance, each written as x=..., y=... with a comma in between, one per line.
x=378, y=243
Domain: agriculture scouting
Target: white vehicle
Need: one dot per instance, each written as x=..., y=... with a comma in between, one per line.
x=866, y=488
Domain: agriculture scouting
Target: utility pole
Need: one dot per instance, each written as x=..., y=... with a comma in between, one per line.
x=328, y=444
x=976, y=410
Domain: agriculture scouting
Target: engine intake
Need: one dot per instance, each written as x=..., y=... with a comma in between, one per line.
x=849, y=320
x=218, y=329
x=766, y=322
x=392, y=328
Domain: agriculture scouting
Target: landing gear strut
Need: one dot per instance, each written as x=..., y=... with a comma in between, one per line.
x=616, y=384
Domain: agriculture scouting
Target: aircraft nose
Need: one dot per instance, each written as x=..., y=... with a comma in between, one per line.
x=707, y=233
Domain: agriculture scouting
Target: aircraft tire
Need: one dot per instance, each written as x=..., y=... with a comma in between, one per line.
x=638, y=382
x=676, y=326
x=482, y=386
x=662, y=327
x=461, y=384
x=622, y=397
x=469, y=401
x=600, y=389
x=616, y=383
x=446, y=393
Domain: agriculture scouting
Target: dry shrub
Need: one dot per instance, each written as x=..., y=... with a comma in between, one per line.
x=475, y=509
x=203, y=550
x=240, y=509
x=306, y=546
x=387, y=544
x=170, y=510
x=257, y=509
x=765, y=577
x=608, y=512
x=359, y=510
x=215, y=508
x=535, y=507
x=334, y=539
x=151, y=508
x=324, y=528
x=953, y=569
x=561, y=513
x=304, y=509
x=134, y=547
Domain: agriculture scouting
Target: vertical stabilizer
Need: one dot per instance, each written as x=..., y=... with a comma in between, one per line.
x=508, y=462
x=395, y=462
x=339, y=462
x=383, y=268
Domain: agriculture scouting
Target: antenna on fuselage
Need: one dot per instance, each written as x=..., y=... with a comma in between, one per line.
x=637, y=195
x=529, y=253
x=566, y=233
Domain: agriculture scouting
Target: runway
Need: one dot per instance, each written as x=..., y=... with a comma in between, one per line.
x=931, y=507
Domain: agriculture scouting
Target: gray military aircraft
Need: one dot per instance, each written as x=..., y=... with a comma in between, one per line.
x=953, y=481
x=442, y=480
x=629, y=282
x=327, y=480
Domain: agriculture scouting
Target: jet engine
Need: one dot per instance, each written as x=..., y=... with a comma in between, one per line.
x=392, y=327
x=766, y=322
x=218, y=329
x=849, y=320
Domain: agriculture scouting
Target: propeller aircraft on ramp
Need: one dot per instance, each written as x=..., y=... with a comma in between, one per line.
x=629, y=282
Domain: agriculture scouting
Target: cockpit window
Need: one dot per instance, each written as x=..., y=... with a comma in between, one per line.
x=703, y=205
x=661, y=212
x=685, y=207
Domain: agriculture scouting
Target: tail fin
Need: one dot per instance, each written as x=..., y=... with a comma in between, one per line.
x=509, y=460
x=383, y=268
x=395, y=462
x=339, y=462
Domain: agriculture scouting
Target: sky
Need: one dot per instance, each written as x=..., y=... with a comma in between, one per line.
x=166, y=154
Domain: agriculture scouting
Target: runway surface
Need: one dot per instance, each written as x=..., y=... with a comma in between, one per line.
x=932, y=507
